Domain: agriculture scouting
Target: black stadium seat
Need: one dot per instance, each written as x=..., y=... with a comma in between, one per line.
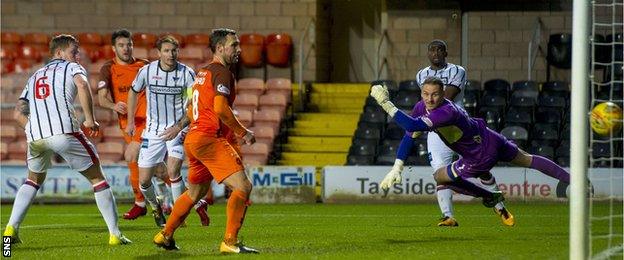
x=473, y=85
x=517, y=134
x=545, y=132
x=497, y=85
x=394, y=132
x=406, y=99
x=409, y=85
x=390, y=84
x=373, y=117
x=368, y=133
x=359, y=160
x=363, y=149
x=560, y=50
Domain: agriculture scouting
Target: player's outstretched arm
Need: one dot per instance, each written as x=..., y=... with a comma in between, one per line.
x=132, y=100
x=21, y=113
x=224, y=111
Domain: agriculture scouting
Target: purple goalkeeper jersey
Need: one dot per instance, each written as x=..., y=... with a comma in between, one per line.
x=480, y=147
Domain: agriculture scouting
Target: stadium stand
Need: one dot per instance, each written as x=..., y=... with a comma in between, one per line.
x=278, y=49
x=252, y=46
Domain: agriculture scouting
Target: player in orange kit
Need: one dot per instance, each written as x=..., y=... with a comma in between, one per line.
x=211, y=145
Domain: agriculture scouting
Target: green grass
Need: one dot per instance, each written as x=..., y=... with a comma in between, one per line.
x=400, y=231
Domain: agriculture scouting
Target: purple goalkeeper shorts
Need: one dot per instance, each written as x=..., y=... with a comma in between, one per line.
x=497, y=148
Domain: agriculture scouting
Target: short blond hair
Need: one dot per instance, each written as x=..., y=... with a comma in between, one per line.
x=61, y=41
x=167, y=39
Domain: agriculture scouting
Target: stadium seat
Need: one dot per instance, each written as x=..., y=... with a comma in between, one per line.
x=252, y=46
x=36, y=38
x=10, y=38
x=7, y=67
x=519, y=115
x=560, y=51
x=103, y=116
x=256, y=148
x=152, y=54
x=546, y=132
x=494, y=101
x=9, y=52
x=179, y=37
x=525, y=85
x=4, y=151
x=367, y=133
x=500, y=86
x=140, y=52
x=278, y=49
x=386, y=155
x=145, y=40
x=264, y=134
x=492, y=117
x=113, y=134
x=552, y=101
x=106, y=52
x=245, y=116
x=89, y=38
x=522, y=101
x=197, y=39
x=253, y=86
x=517, y=134
x=22, y=65
x=193, y=53
x=409, y=85
x=473, y=85
x=8, y=133
x=275, y=101
x=563, y=161
x=406, y=99
x=548, y=115
x=246, y=102
x=268, y=117
x=359, y=160
x=542, y=150
x=17, y=150
x=363, y=149
x=370, y=125
x=471, y=101
x=374, y=117
x=280, y=85
x=110, y=151
x=254, y=160
x=30, y=53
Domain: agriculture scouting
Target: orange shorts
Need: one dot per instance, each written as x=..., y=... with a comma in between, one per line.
x=139, y=126
x=211, y=157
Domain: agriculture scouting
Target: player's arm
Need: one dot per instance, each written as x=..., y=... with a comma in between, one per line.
x=137, y=86
x=451, y=91
x=86, y=101
x=456, y=83
x=174, y=130
x=21, y=113
x=105, y=99
x=225, y=113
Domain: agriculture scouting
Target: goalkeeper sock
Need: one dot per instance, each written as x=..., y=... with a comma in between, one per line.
x=23, y=199
x=106, y=204
x=550, y=168
x=445, y=200
x=236, y=209
x=180, y=211
x=134, y=182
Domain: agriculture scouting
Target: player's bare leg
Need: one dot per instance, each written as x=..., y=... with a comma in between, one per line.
x=145, y=179
x=132, y=156
x=445, y=176
x=106, y=203
x=236, y=209
x=181, y=209
x=23, y=199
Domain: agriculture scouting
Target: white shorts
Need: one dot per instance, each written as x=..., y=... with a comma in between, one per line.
x=153, y=150
x=75, y=148
x=439, y=154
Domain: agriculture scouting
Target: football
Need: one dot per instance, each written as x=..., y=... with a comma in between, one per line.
x=606, y=118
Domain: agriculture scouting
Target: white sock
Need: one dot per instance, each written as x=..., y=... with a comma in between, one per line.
x=23, y=199
x=177, y=188
x=140, y=203
x=445, y=200
x=150, y=195
x=161, y=190
x=106, y=204
x=200, y=203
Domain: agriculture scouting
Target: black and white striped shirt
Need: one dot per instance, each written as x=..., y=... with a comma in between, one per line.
x=165, y=94
x=50, y=93
x=451, y=74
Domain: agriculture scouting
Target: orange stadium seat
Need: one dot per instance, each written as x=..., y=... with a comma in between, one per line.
x=17, y=150
x=8, y=38
x=280, y=85
x=103, y=116
x=254, y=160
x=246, y=102
x=256, y=148
x=177, y=36
x=268, y=117
x=278, y=49
x=253, y=86
x=89, y=38
x=245, y=117
x=208, y=55
x=23, y=65
x=9, y=52
x=8, y=133
x=192, y=53
x=197, y=39
x=92, y=52
x=140, y=52
x=264, y=134
x=110, y=151
x=276, y=101
x=6, y=115
x=36, y=38
x=146, y=40
x=107, y=52
x=7, y=67
x=28, y=52
x=106, y=38
x=252, y=46
x=4, y=151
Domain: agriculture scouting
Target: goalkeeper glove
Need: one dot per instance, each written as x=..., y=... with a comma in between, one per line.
x=394, y=176
x=381, y=95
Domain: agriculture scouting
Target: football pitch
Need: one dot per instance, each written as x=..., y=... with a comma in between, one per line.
x=396, y=231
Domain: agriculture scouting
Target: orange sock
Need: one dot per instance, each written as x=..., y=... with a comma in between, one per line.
x=181, y=209
x=236, y=209
x=134, y=181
